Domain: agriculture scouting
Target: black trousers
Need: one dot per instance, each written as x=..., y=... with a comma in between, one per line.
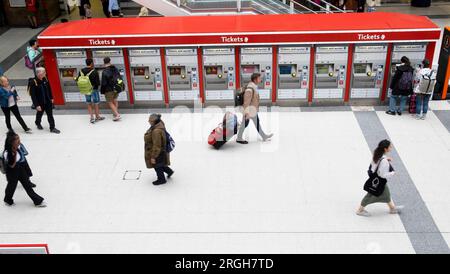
x=48, y=109
x=15, y=110
x=160, y=172
x=19, y=174
x=105, y=5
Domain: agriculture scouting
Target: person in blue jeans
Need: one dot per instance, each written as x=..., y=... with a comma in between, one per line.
x=425, y=81
x=401, y=86
x=93, y=100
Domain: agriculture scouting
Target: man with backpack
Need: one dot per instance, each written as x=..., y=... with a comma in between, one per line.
x=401, y=86
x=42, y=98
x=425, y=81
x=250, y=104
x=88, y=81
x=112, y=85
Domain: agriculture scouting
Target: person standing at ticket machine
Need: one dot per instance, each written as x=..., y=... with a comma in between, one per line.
x=42, y=98
x=88, y=82
x=401, y=86
x=109, y=78
x=250, y=109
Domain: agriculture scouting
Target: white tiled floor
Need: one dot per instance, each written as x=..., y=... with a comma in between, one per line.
x=284, y=186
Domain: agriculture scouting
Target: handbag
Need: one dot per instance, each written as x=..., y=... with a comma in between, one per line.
x=375, y=184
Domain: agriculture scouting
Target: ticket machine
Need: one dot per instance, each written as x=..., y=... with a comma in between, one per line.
x=116, y=56
x=415, y=53
x=368, y=71
x=70, y=62
x=219, y=74
x=146, y=75
x=330, y=72
x=258, y=59
x=182, y=74
x=293, y=72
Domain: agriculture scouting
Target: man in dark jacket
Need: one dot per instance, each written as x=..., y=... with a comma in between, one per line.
x=93, y=99
x=108, y=87
x=42, y=97
x=401, y=86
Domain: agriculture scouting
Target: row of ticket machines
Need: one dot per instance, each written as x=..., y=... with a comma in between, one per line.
x=219, y=71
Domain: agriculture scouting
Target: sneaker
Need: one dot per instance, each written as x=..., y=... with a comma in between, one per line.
x=363, y=213
x=43, y=204
x=170, y=174
x=399, y=113
x=117, y=118
x=242, y=142
x=390, y=112
x=157, y=182
x=28, y=130
x=92, y=120
x=396, y=210
x=418, y=116
x=100, y=118
x=267, y=137
x=423, y=117
x=39, y=127
x=55, y=130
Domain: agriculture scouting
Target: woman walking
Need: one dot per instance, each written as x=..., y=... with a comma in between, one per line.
x=17, y=169
x=156, y=155
x=8, y=102
x=382, y=165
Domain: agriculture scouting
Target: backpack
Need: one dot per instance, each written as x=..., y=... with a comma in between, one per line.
x=426, y=84
x=239, y=99
x=118, y=84
x=2, y=164
x=406, y=80
x=28, y=62
x=170, y=143
x=84, y=83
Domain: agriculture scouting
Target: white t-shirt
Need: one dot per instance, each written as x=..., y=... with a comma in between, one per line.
x=11, y=101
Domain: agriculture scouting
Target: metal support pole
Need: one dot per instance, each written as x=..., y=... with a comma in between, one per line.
x=238, y=3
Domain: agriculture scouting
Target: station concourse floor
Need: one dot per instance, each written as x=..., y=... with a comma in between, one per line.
x=295, y=194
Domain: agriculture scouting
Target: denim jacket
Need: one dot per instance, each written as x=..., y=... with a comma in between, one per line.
x=4, y=97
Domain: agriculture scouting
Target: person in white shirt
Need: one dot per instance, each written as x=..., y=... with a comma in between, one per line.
x=385, y=171
x=424, y=86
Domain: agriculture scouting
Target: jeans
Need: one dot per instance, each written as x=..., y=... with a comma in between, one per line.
x=49, y=111
x=393, y=103
x=160, y=172
x=15, y=110
x=422, y=101
x=245, y=123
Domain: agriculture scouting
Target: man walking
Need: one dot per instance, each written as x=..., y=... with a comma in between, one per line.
x=109, y=78
x=250, y=109
x=42, y=97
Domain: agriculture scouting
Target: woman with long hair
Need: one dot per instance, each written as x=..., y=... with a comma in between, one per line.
x=382, y=164
x=16, y=170
x=8, y=103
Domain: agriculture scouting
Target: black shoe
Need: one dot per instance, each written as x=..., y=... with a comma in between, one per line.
x=157, y=182
x=32, y=185
x=170, y=174
x=54, y=130
x=39, y=127
x=399, y=113
x=242, y=142
x=390, y=112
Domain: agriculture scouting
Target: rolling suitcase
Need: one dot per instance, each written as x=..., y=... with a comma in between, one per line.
x=224, y=131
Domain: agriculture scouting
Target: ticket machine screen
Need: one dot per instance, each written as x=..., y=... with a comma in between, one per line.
x=362, y=68
x=287, y=69
x=248, y=69
x=213, y=70
x=139, y=71
x=68, y=73
x=175, y=70
x=322, y=69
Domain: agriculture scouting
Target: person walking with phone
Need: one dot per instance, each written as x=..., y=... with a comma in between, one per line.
x=381, y=165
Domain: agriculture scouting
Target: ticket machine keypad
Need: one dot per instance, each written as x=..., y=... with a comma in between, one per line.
x=304, y=76
x=194, y=78
x=158, y=79
x=230, y=78
x=341, y=77
x=379, y=76
x=268, y=78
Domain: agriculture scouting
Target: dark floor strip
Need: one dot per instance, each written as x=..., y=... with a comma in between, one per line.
x=422, y=231
x=444, y=117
